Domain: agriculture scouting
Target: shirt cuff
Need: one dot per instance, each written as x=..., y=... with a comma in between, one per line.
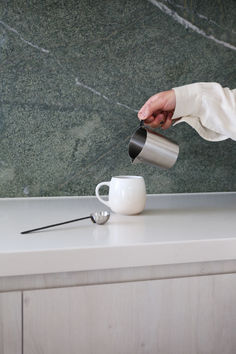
x=188, y=100
x=204, y=132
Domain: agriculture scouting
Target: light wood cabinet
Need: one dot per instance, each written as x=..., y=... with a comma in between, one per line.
x=10, y=323
x=192, y=315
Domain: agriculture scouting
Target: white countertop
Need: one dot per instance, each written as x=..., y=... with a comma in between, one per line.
x=174, y=228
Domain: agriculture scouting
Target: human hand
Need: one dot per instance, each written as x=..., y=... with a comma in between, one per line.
x=158, y=110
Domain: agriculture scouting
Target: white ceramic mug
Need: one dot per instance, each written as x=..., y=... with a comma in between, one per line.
x=127, y=194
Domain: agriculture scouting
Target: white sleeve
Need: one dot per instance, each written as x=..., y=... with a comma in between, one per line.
x=209, y=108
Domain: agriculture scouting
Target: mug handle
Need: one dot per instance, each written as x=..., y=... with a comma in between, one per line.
x=97, y=192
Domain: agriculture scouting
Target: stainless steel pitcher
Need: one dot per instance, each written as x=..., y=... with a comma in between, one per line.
x=148, y=146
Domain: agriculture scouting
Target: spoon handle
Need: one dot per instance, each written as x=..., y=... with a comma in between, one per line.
x=52, y=225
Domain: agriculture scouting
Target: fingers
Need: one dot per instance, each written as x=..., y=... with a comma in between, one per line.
x=162, y=119
x=149, y=120
x=157, y=120
x=167, y=123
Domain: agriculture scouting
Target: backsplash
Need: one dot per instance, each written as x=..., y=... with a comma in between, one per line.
x=73, y=75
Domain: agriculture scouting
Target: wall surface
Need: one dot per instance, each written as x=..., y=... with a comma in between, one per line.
x=73, y=75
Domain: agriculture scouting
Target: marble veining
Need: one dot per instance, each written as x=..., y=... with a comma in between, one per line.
x=21, y=38
x=188, y=24
x=174, y=3
x=103, y=96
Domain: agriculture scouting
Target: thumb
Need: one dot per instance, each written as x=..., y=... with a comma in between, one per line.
x=152, y=105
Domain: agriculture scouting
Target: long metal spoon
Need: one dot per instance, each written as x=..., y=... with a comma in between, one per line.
x=100, y=218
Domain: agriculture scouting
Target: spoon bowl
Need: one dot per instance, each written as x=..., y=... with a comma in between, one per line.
x=100, y=217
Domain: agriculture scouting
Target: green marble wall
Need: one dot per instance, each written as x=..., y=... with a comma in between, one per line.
x=73, y=75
